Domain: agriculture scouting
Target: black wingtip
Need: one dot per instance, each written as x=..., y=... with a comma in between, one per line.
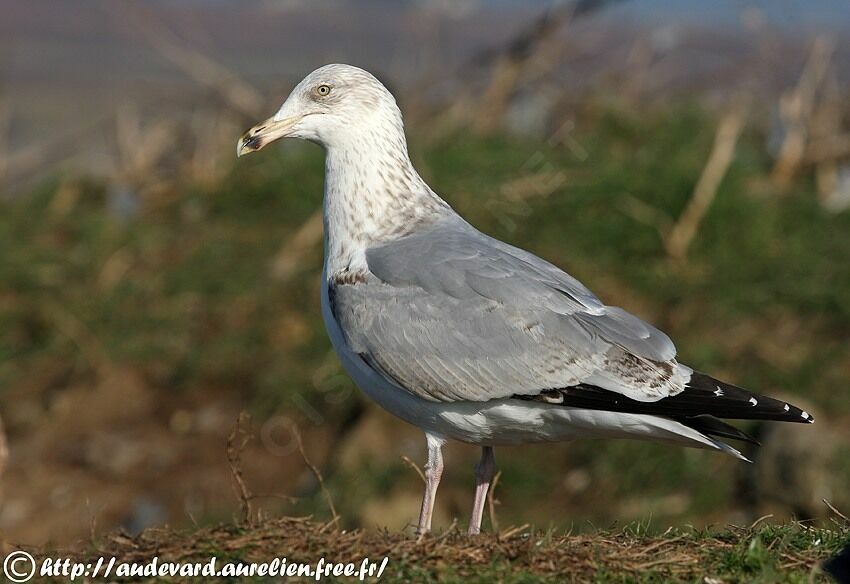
x=712, y=426
x=703, y=397
x=736, y=403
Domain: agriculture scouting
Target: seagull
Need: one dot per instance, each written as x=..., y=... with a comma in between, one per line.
x=465, y=336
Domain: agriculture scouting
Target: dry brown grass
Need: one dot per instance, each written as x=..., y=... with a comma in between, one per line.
x=772, y=552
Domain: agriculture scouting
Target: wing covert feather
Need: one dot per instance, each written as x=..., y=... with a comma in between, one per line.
x=453, y=315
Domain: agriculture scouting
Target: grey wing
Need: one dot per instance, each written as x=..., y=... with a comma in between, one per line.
x=450, y=314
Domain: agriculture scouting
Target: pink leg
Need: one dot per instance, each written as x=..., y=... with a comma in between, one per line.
x=484, y=471
x=433, y=473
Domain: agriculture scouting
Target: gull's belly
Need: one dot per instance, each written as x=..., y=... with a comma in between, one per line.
x=495, y=422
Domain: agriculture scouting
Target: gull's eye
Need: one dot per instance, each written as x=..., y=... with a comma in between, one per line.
x=323, y=90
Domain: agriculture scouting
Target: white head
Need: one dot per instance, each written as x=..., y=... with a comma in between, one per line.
x=335, y=105
x=372, y=191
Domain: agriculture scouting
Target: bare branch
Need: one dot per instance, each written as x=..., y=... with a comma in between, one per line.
x=234, y=459
x=318, y=476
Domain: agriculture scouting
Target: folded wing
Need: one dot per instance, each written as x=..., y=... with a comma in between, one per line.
x=450, y=314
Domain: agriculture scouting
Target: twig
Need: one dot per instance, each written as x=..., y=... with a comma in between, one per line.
x=681, y=559
x=415, y=467
x=836, y=511
x=659, y=544
x=448, y=532
x=234, y=459
x=317, y=474
x=725, y=140
x=513, y=531
x=282, y=497
x=760, y=519
x=491, y=503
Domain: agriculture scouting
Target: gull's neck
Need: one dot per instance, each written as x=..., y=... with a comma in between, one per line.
x=372, y=195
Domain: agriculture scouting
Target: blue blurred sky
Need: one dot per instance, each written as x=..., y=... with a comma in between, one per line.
x=789, y=14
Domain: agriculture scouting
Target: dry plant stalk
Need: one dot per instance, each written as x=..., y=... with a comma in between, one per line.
x=491, y=503
x=530, y=55
x=4, y=449
x=318, y=475
x=725, y=140
x=796, y=110
x=494, y=101
x=141, y=149
x=836, y=511
x=415, y=467
x=534, y=46
x=637, y=68
x=236, y=443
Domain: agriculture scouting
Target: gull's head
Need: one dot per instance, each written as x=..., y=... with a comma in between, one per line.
x=335, y=104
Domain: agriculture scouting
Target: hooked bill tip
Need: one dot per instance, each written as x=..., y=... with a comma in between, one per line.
x=247, y=144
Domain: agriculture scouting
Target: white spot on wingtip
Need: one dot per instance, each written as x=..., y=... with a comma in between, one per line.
x=719, y=391
x=787, y=407
x=805, y=415
x=754, y=401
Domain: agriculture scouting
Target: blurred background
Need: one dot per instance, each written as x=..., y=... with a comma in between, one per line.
x=689, y=161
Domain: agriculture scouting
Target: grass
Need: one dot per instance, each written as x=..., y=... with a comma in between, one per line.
x=762, y=553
